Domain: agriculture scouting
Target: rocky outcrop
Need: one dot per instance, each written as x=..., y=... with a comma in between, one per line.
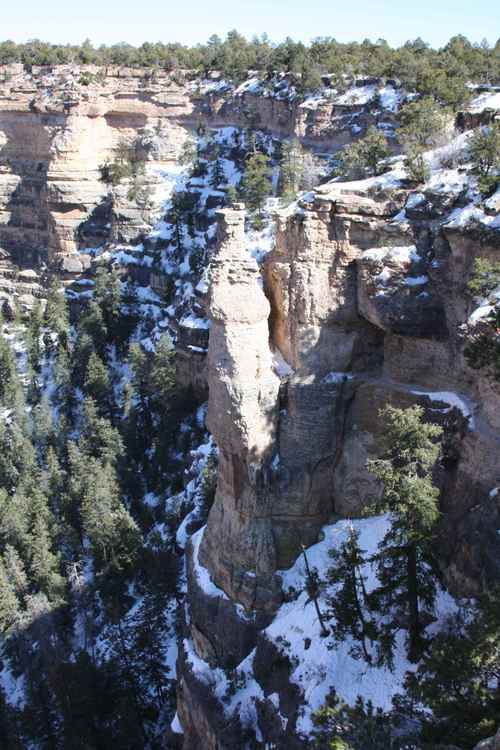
x=362, y=305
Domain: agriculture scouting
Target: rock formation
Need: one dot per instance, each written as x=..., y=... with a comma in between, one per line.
x=364, y=306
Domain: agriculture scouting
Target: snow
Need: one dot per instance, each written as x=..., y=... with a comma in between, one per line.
x=191, y=321
x=312, y=102
x=252, y=85
x=487, y=100
x=397, y=254
x=416, y=280
x=479, y=313
x=176, y=725
x=280, y=365
x=415, y=199
x=494, y=492
x=356, y=96
x=447, y=181
x=201, y=573
x=260, y=243
x=320, y=668
x=390, y=98
x=454, y=400
x=336, y=377
x=463, y=217
x=13, y=687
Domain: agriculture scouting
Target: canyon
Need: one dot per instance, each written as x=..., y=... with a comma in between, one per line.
x=361, y=301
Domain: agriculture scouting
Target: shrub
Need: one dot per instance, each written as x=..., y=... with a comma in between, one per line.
x=363, y=158
x=484, y=148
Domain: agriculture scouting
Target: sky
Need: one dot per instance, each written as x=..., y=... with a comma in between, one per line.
x=136, y=21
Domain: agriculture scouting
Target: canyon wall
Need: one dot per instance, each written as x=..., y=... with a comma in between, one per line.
x=361, y=303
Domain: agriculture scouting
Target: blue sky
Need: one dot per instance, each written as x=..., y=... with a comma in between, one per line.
x=110, y=21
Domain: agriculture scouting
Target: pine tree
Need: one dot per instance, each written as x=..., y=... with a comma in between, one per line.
x=407, y=584
x=9, y=603
x=364, y=157
x=44, y=563
x=256, y=184
x=56, y=317
x=458, y=678
x=34, y=338
x=217, y=176
x=97, y=385
x=111, y=530
x=350, y=606
x=484, y=148
x=359, y=727
x=9, y=379
x=292, y=169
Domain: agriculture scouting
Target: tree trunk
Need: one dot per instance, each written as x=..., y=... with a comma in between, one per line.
x=415, y=649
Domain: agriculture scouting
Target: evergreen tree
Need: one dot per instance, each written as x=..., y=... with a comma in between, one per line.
x=292, y=169
x=484, y=148
x=256, y=184
x=458, y=678
x=407, y=585
x=359, y=727
x=56, y=317
x=9, y=380
x=97, y=385
x=34, y=338
x=363, y=158
x=9, y=603
x=111, y=530
x=217, y=176
x=350, y=606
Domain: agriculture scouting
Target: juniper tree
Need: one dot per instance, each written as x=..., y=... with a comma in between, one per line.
x=363, y=158
x=484, y=148
x=407, y=584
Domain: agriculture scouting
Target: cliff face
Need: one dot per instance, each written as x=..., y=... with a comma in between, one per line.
x=56, y=129
x=364, y=304
x=59, y=124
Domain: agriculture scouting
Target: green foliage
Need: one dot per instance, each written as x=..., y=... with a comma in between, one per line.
x=9, y=380
x=127, y=164
x=458, y=678
x=484, y=148
x=359, y=727
x=418, y=169
x=422, y=122
x=292, y=169
x=350, y=607
x=442, y=73
x=485, y=277
x=407, y=584
x=363, y=158
x=256, y=183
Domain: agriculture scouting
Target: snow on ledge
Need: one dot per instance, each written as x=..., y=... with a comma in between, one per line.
x=202, y=575
x=453, y=400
